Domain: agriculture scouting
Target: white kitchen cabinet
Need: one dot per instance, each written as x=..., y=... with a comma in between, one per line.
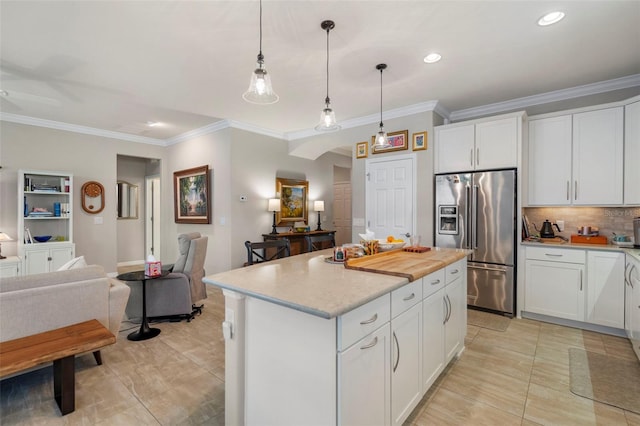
x=554, y=282
x=433, y=317
x=10, y=267
x=632, y=303
x=456, y=319
x=598, y=144
x=45, y=207
x=365, y=380
x=46, y=257
x=550, y=161
x=632, y=154
x=479, y=145
x=605, y=288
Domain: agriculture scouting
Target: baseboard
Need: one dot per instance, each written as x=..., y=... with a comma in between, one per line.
x=575, y=324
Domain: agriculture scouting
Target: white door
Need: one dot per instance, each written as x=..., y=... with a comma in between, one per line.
x=390, y=196
x=342, y=212
x=152, y=216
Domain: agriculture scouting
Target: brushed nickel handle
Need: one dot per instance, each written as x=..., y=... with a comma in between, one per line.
x=580, y=280
x=471, y=157
x=567, y=190
x=370, y=345
x=411, y=296
x=450, y=308
x=575, y=191
x=455, y=271
x=436, y=282
x=553, y=255
x=446, y=310
x=478, y=156
x=370, y=320
x=395, y=338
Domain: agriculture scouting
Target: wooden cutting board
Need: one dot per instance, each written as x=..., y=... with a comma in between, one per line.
x=398, y=263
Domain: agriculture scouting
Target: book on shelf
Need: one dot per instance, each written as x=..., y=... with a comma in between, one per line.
x=27, y=236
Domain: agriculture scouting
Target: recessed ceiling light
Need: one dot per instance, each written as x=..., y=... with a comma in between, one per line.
x=432, y=58
x=153, y=123
x=4, y=93
x=550, y=18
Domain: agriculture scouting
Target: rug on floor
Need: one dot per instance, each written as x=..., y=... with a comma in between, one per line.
x=487, y=320
x=607, y=379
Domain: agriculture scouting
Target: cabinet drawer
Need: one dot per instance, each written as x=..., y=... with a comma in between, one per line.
x=405, y=297
x=432, y=283
x=556, y=254
x=453, y=272
x=363, y=320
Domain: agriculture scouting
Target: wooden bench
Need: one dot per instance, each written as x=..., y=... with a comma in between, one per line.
x=60, y=347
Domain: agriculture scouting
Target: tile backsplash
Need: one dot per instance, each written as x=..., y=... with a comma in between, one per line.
x=607, y=219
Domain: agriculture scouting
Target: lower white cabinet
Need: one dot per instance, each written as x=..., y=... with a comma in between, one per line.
x=605, y=288
x=10, y=267
x=555, y=282
x=455, y=324
x=406, y=363
x=365, y=380
x=46, y=257
x=432, y=337
x=632, y=303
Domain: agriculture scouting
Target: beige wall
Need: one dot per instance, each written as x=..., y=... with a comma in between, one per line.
x=130, y=235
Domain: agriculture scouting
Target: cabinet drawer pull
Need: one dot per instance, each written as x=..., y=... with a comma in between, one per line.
x=455, y=271
x=370, y=320
x=553, y=255
x=436, y=282
x=370, y=345
x=411, y=296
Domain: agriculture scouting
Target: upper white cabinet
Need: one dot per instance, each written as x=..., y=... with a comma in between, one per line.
x=598, y=143
x=576, y=159
x=45, y=208
x=632, y=154
x=550, y=161
x=478, y=145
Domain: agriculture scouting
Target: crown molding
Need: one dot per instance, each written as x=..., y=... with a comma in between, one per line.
x=57, y=125
x=256, y=129
x=200, y=131
x=548, y=97
x=370, y=119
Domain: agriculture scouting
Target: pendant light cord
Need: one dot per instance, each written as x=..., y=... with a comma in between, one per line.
x=381, y=125
x=326, y=101
x=260, y=56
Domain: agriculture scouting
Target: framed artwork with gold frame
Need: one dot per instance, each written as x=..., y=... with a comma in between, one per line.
x=293, y=201
x=362, y=150
x=192, y=195
x=399, y=141
x=419, y=141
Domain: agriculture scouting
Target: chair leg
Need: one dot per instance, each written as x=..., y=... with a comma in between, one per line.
x=98, y=356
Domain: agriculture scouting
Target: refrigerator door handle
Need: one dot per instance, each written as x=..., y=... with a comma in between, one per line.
x=467, y=214
x=474, y=224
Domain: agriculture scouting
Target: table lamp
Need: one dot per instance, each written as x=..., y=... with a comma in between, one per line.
x=274, y=206
x=319, y=207
x=4, y=237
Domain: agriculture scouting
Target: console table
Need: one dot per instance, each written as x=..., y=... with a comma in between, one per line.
x=296, y=239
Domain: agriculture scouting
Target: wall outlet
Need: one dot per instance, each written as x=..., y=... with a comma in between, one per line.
x=560, y=224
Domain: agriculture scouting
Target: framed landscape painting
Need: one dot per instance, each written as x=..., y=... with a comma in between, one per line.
x=192, y=198
x=293, y=201
x=362, y=150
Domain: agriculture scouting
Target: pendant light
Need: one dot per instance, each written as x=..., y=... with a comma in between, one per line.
x=260, y=89
x=381, y=138
x=327, y=117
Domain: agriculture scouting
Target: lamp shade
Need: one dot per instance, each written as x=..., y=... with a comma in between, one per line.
x=274, y=205
x=5, y=237
x=318, y=206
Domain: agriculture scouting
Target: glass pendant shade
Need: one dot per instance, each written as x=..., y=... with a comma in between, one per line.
x=260, y=90
x=381, y=140
x=327, y=120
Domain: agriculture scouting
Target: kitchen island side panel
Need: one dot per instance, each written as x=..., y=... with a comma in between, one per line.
x=290, y=367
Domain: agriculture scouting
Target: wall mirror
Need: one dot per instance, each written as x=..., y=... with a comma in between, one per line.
x=127, y=200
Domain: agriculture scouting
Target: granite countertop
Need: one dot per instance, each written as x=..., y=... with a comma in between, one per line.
x=306, y=282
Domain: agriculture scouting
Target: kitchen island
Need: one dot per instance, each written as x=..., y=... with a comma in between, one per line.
x=311, y=342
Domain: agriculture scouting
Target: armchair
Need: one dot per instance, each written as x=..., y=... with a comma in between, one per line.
x=177, y=294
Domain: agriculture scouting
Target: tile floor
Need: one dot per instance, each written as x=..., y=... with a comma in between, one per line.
x=516, y=377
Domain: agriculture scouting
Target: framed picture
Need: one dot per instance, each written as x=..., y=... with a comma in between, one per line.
x=398, y=140
x=362, y=150
x=192, y=195
x=419, y=141
x=293, y=201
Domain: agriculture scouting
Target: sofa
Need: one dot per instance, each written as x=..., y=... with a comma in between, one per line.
x=41, y=302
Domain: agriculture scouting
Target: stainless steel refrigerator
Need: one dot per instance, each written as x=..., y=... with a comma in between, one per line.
x=477, y=211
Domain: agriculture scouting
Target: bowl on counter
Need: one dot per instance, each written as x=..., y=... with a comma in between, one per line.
x=384, y=245
x=42, y=238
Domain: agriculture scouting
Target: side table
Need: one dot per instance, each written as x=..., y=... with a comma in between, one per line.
x=145, y=331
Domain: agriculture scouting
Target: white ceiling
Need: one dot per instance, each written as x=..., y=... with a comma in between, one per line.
x=115, y=65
